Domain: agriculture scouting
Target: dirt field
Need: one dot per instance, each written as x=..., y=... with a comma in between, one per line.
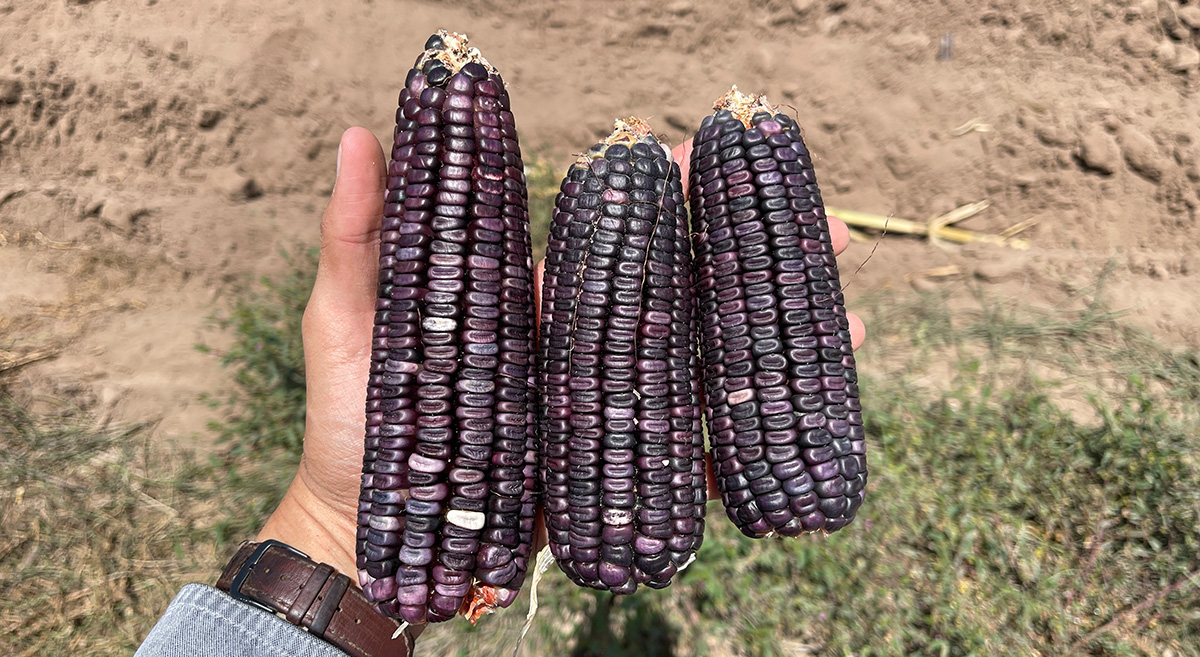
x=154, y=154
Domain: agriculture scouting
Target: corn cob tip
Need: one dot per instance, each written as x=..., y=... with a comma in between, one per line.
x=744, y=106
x=626, y=132
x=449, y=50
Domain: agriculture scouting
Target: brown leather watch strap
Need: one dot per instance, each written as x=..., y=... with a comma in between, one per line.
x=280, y=579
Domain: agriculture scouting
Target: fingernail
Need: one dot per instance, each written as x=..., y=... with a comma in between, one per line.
x=337, y=171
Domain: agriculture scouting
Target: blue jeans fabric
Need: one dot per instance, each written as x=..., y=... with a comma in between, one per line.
x=205, y=622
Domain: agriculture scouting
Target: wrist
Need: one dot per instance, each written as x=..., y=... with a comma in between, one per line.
x=305, y=522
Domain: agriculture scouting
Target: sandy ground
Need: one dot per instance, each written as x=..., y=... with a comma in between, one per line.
x=155, y=155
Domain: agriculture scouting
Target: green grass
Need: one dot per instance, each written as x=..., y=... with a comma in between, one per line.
x=1034, y=491
x=542, y=178
x=266, y=408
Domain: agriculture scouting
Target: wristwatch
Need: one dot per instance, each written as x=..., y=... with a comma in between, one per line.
x=282, y=580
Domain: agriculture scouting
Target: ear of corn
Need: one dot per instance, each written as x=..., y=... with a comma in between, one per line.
x=447, y=503
x=623, y=466
x=782, y=404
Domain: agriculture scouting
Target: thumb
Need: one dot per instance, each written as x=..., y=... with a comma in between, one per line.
x=338, y=319
x=349, y=261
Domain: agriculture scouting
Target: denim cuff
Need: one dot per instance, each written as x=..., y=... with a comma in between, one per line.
x=204, y=622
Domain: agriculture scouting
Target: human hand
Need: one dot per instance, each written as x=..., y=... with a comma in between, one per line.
x=318, y=515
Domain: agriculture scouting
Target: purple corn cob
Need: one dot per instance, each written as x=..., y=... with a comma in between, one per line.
x=447, y=498
x=784, y=418
x=623, y=455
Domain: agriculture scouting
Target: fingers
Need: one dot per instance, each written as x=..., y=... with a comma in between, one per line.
x=839, y=235
x=349, y=263
x=710, y=477
x=539, y=273
x=337, y=323
x=683, y=155
x=858, y=330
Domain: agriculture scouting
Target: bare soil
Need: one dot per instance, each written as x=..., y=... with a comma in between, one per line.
x=155, y=156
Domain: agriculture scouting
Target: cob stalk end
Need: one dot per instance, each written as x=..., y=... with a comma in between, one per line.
x=451, y=49
x=626, y=132
x=743, y=107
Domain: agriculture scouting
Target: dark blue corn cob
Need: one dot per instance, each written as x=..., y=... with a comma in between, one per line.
x=784, y=419
x=447, y=500
x=623, y=455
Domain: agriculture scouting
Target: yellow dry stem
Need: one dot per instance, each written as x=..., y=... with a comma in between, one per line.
x=936, y=229
x=934, y=272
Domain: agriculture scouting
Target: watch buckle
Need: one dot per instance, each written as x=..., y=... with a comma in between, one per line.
x=235, y=587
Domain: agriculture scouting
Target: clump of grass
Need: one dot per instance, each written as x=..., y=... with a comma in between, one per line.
x=542, y=179
x=102, y=527
x=1082, y=341
x=92, y=548
x=266, y=409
